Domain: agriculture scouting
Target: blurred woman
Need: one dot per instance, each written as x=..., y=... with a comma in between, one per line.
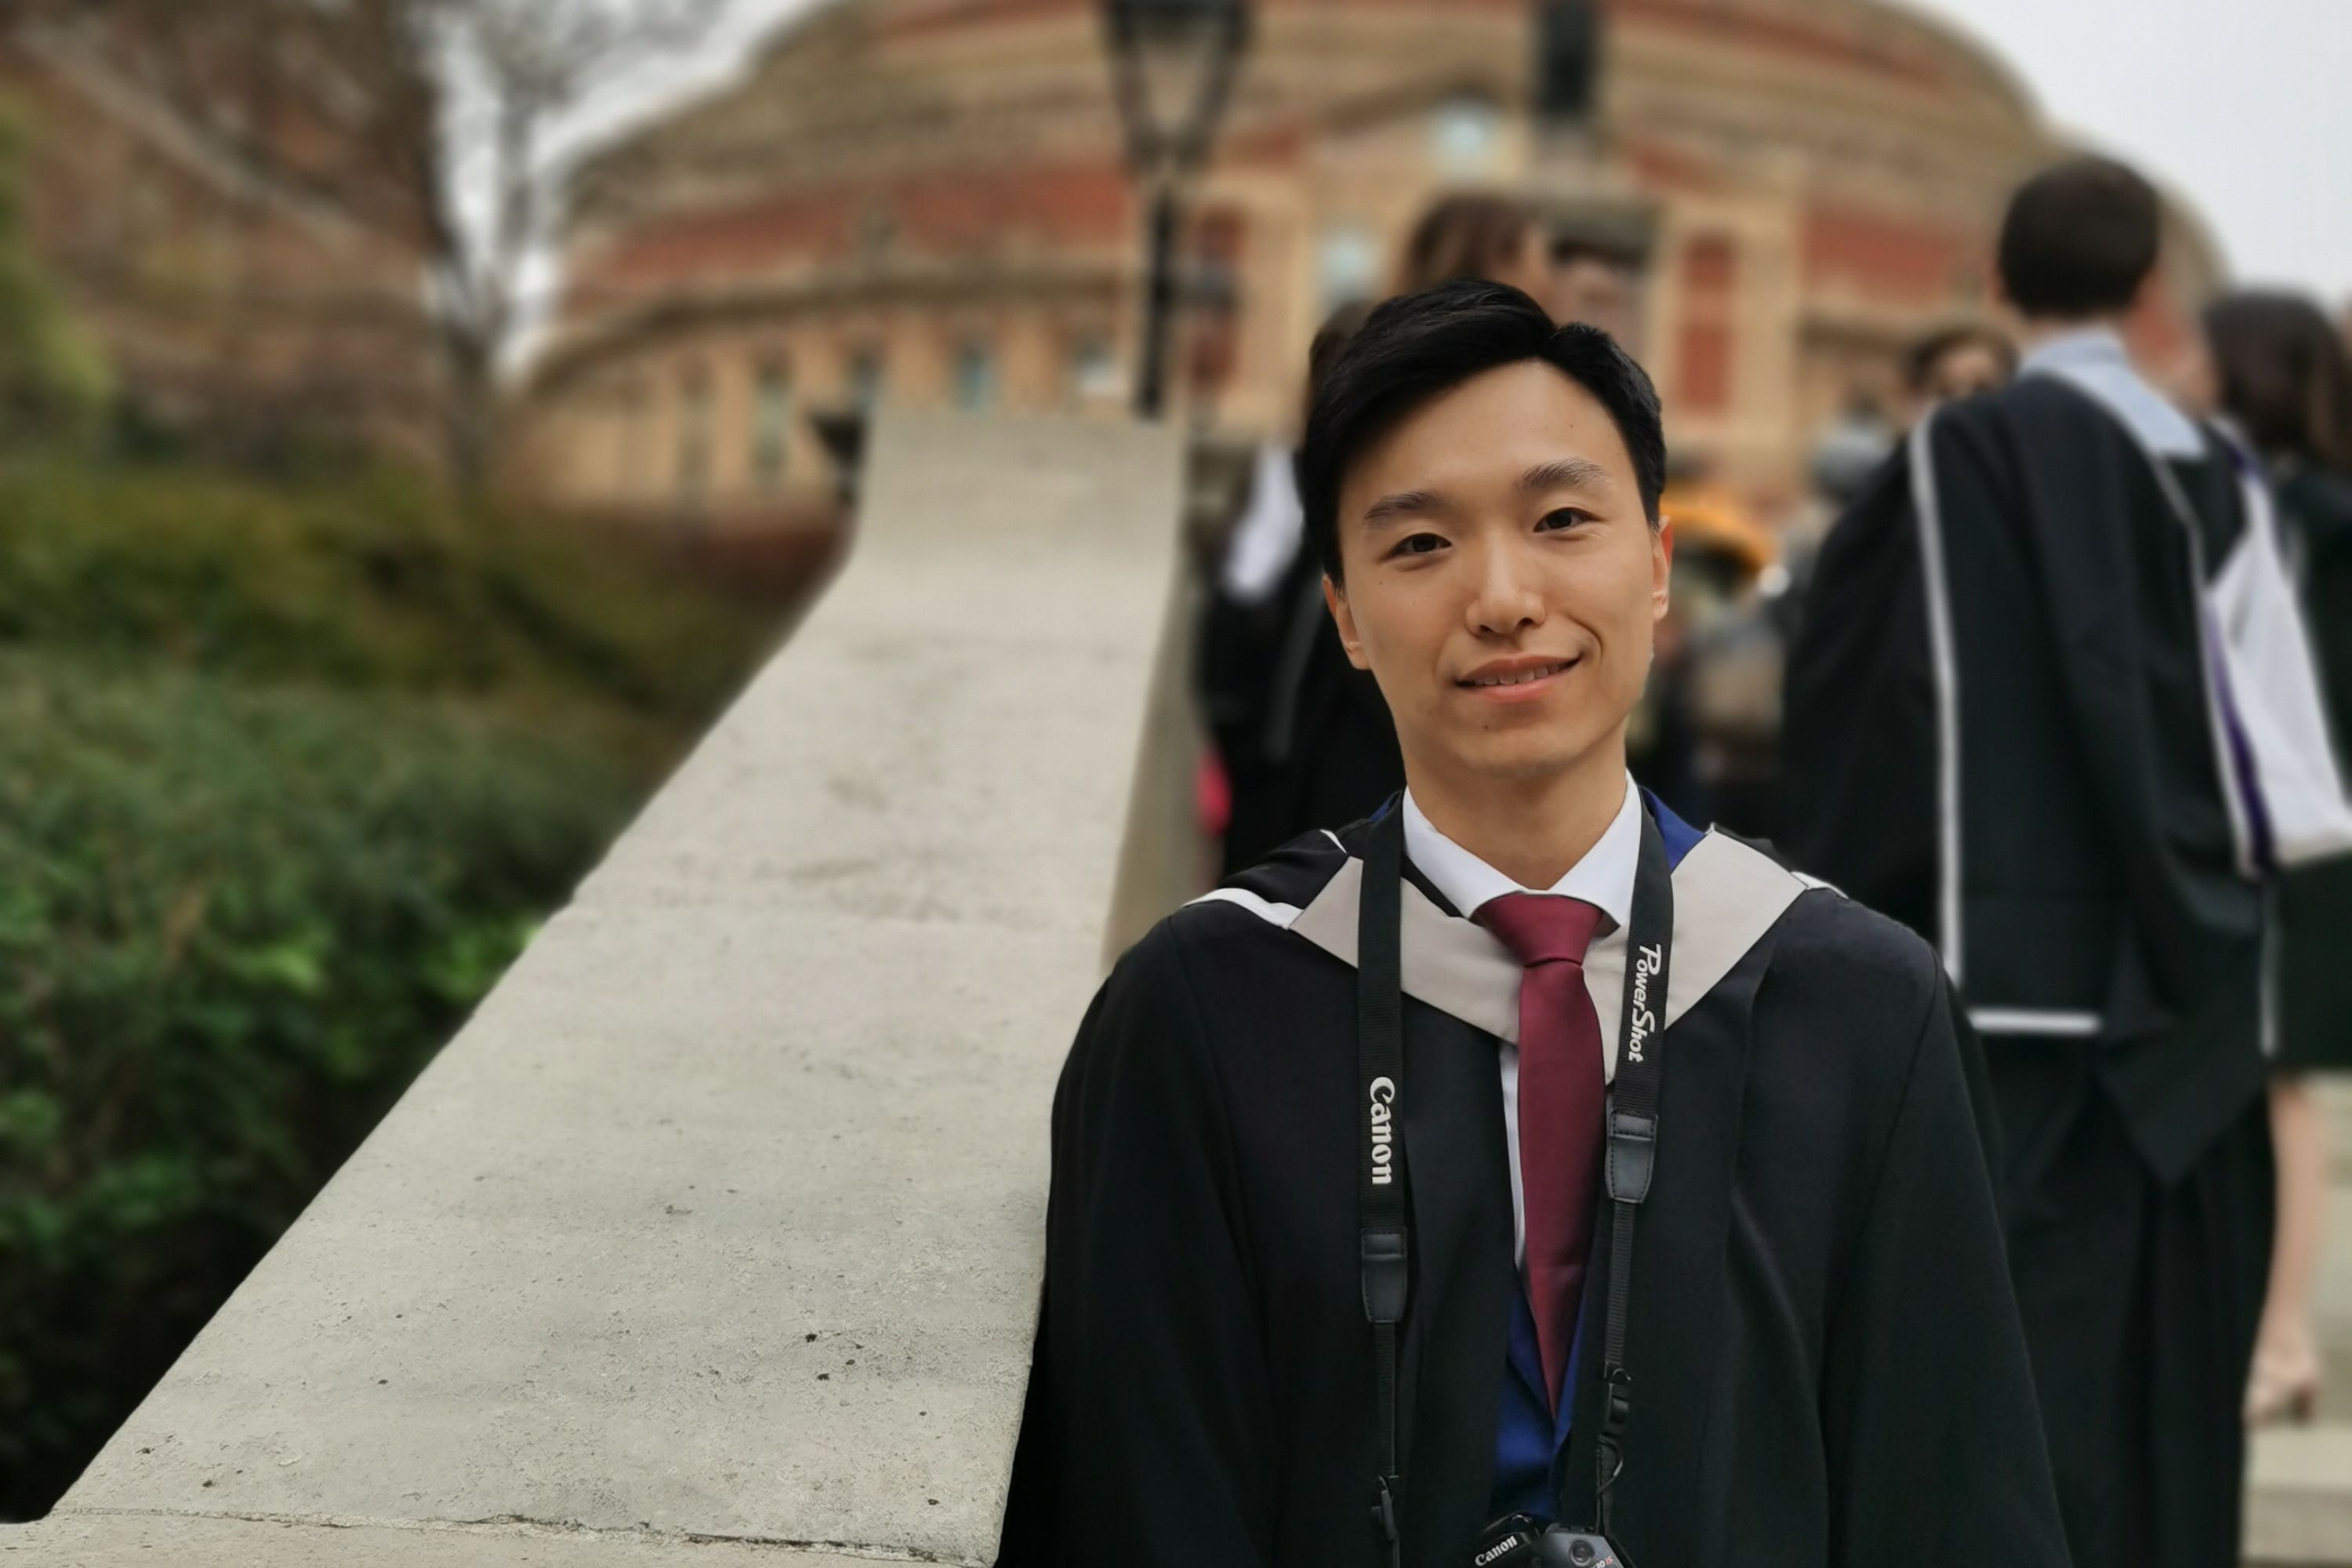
x=2283, y=377
x=1473, y=235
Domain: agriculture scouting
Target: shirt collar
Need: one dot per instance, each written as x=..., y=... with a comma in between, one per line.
x=1603, y=878
x=2095, y=362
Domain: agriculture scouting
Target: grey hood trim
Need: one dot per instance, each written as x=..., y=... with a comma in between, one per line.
x=1728, y=896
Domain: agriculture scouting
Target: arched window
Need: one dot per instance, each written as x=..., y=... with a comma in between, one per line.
x=866, y=378
x=1704, y=369
x=772, y=424
x=694, y=433
x=975, y=377
x=635, y=468
x=1094, y=370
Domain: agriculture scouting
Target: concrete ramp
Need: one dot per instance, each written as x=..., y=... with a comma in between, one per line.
x=715, y=1236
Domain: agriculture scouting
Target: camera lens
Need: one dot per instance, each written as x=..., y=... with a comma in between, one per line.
x=1579, y=1550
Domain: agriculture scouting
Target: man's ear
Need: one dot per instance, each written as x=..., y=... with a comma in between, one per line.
x=1662, y=568
x=1336, y=598
x=2152, y=320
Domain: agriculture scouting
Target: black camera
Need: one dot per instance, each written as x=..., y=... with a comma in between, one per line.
x=1522, y=1540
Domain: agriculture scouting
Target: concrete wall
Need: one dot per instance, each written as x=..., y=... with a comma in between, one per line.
x=715, y=1236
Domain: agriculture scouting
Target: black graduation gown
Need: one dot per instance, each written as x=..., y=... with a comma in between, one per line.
x=1305, y=736
x=2315, y=903
x=1826, y=1354
x=1999, y=730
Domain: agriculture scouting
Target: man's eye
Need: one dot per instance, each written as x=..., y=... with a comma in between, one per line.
x=1566, y=517
x=1420, y=544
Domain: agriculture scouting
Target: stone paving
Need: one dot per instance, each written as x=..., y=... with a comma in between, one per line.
x=2300, y=1512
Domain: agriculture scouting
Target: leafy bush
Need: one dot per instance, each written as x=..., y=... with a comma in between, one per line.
x=365, y=579
x=232, y=924
x=289, y=767
x=289, y=770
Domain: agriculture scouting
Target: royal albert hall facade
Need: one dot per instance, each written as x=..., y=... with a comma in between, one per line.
x=925, y=201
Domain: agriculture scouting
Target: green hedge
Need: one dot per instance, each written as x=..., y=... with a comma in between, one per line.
x=232, y=924
x=290, y=764
x=363, y=579
x=289, y=768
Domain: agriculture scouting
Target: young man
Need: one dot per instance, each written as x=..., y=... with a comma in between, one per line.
x=2010, y=726
x=1819, y=1358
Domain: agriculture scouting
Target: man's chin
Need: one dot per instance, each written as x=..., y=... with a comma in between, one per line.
x=1532, y=754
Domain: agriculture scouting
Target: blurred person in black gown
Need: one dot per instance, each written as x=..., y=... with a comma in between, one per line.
x=1303, y=735
x=1948, y=365
x=2008, y=727
x=2283, y=377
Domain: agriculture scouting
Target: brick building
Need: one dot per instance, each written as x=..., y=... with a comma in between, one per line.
x=242, y=298
x=924, y=199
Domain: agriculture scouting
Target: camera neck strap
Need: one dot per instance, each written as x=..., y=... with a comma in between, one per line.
x=1630, y=1152
x=1630, y=1157
x=1380, y=1047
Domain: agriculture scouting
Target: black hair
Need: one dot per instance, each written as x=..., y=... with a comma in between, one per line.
x=2079, y=239
x=2284, y=375
x=1416, y=346
x=1332, y=336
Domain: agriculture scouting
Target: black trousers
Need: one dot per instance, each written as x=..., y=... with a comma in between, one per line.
x=2140, y=1302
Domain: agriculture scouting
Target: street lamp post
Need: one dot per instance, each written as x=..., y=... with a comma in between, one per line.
x=1168, y=57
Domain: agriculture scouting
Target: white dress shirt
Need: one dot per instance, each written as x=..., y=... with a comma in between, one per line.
x=1603, y=878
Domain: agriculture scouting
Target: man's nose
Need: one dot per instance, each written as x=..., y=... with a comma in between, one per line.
x=1504, y=597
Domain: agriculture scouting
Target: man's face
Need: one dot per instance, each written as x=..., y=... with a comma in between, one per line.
x=1528, y=268
x=1597, y=289
x=1502, y=578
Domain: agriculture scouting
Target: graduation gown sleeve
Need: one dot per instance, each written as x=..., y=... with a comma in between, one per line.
x=1926, y=1368
x=1859, y=750
x=1149, y=1438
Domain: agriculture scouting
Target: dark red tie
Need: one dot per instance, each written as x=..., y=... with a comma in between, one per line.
x=1561, y=1091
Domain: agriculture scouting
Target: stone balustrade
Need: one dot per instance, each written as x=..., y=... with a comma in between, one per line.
x=715, y=1236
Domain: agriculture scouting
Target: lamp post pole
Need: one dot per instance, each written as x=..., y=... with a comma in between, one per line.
x=1197, y=44
x=1164, y=221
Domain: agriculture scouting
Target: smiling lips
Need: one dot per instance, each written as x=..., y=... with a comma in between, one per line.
x=1517, y=679
x=1518, y=676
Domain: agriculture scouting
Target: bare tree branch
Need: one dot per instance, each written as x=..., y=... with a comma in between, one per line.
x=430, y=122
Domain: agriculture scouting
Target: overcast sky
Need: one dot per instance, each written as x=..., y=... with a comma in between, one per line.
x=2245, y=107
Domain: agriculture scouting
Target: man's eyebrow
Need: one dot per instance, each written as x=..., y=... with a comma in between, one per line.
x=1563, y=473
x=1403, y=503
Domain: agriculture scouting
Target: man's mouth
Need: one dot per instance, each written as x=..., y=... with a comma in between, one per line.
x=1522, y=675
